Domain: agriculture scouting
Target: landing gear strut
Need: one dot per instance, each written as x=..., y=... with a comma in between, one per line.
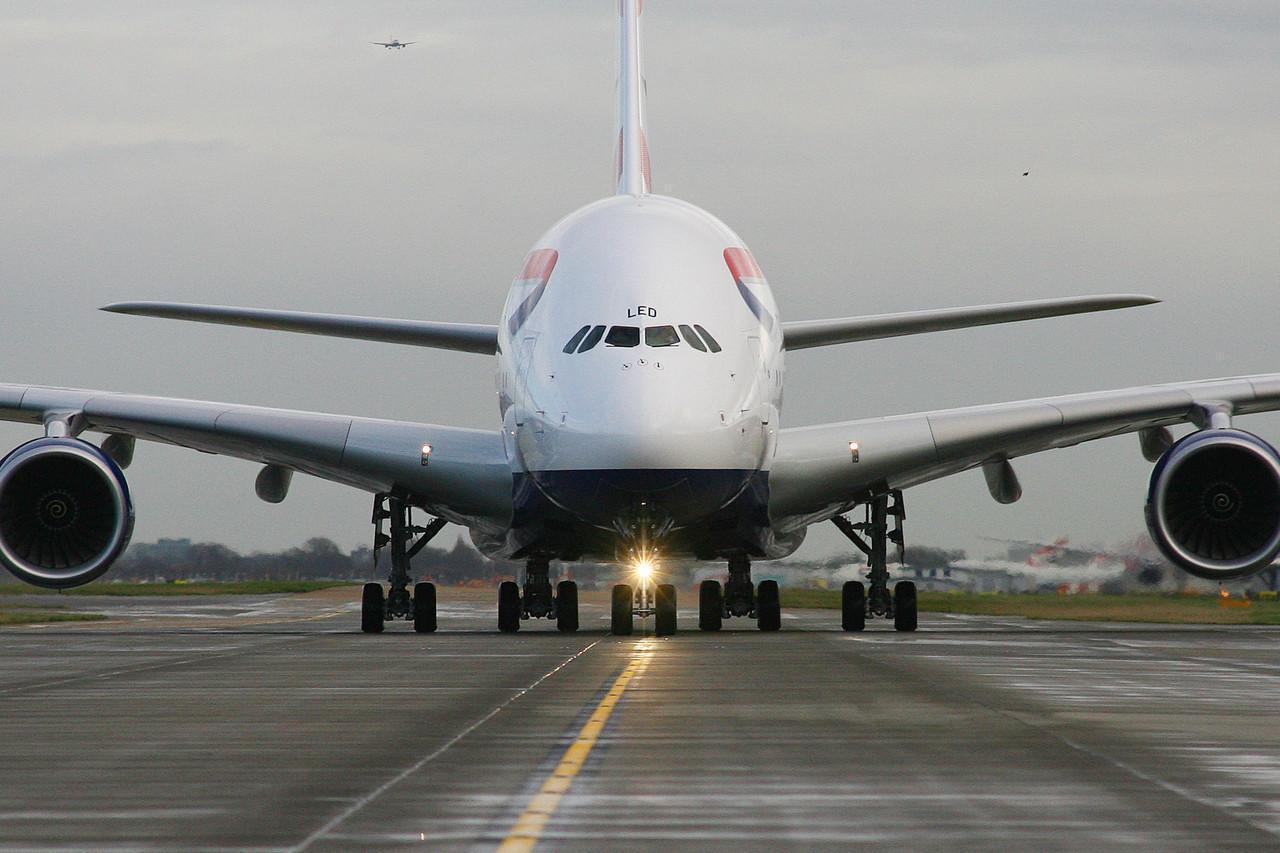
x=739, y=598
x=537, y=600
x=857, y=603
x=376, y=609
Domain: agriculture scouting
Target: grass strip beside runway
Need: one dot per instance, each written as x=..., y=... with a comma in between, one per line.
x=1151, y=607
x=179, y=588
x=25, y=616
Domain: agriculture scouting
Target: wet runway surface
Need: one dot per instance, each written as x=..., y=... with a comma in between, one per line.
x=270, y=723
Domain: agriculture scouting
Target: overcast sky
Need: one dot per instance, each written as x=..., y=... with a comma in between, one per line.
x=870, y=154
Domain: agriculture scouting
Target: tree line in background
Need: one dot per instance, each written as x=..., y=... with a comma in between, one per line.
x=316, y=559
x=322, y=559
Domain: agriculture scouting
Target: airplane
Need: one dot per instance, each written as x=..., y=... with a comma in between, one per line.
x=1133, y=559
x=394, y=43
x=639, y=369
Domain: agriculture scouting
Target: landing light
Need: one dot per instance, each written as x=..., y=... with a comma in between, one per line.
x=853, y=451
x=426, y=453
x=644, y=571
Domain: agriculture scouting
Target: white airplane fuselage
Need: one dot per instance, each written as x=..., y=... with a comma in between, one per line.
x=620, y=417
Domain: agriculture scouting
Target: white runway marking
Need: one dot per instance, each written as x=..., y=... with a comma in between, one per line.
x=368, y=798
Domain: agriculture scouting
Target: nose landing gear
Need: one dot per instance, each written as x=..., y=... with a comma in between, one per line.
x=646, y=599
x=376, y=607
x=859, y=603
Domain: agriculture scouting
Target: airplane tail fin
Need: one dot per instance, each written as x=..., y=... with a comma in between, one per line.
x=633, y=148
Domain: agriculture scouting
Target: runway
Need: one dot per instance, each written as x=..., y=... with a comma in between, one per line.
x=271, y=723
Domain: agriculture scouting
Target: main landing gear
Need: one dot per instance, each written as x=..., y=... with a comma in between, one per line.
x=376, y=607
x=739, y=598
x=537, y=601
x=645, y=599
x=874, y=601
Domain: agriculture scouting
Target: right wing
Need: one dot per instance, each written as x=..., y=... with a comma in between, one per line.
x=467, y=480
x=815, y=475
x=463, y=337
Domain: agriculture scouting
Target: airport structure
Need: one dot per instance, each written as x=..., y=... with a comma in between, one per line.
x=640, y=366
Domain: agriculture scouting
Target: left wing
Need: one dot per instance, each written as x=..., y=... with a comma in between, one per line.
x=817, y=474
x=803, y=334
x=467, y=480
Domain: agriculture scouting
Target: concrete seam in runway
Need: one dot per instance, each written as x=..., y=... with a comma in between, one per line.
x=1094, y=754
x=151, y=667
x=364, y=801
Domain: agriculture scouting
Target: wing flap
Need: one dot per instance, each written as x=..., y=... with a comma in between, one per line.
x=462, y=337
x=820, y=333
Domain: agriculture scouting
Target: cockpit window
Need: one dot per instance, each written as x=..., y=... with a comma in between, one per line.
x=660, y=336
x=576, y=339
x=623, y=336
x=593, y=338
x=706, y=336
x=691, y=338
x=694, y=335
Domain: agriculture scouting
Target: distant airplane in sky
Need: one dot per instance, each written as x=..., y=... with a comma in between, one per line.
x=396, y=43
x=639, y=371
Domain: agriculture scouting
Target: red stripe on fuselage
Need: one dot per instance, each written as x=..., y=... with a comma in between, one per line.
x=539, y=264
x=741, y=264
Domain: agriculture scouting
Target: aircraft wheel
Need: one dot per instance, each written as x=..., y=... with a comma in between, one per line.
x=853, y=606
x=424, y=607
x=768, y=606
x=664, y=610
x=710, y=606
x=508, y=607
x=904, y=606
x=620, y=615
x=373, y=609
x=567, y=606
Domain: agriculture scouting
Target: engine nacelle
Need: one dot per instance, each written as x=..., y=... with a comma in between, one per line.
x=65, y=512
x=1213, y=507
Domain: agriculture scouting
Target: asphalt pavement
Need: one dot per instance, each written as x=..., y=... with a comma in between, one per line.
x=271, y=723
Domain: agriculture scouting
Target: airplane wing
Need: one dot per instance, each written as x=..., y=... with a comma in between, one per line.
x=381, y=43
x=820, y=333
x=467, y=476
x=463, y=337
x=816, y=474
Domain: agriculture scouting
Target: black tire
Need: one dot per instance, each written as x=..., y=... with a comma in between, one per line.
x=768, y=606
x=904, y=606
x=620, y=612
x=853, y=606
x=710, y=606
x=508, y=607
x=424, y=607
x=373, y=609
x=664, y=610
x=567, y=606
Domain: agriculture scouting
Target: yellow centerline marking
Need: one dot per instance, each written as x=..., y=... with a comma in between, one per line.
x=528, y=828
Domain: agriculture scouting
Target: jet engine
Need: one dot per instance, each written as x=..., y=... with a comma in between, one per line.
x=65, y=512
x=1213, y=506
